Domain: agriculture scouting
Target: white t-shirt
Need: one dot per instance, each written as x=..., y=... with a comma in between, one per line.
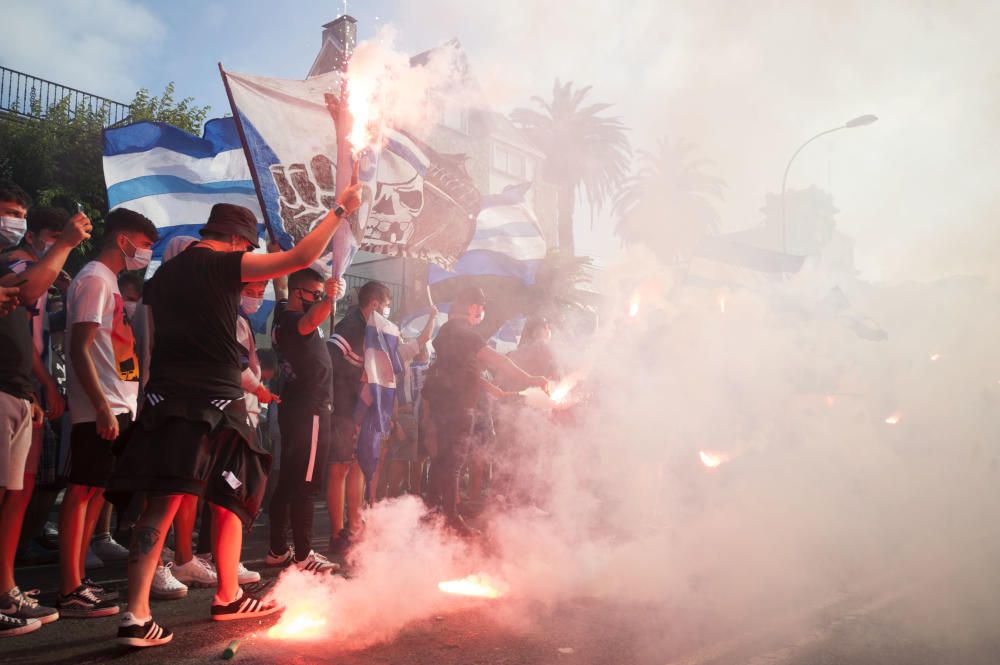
x=94, y=297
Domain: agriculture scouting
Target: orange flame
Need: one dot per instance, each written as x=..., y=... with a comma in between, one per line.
x=722, y=304
x=894, y=419
x=361, y=103
x=712, y=460
x=935, y=357
x=633, y=306
x=477, y=586
x=298, y=624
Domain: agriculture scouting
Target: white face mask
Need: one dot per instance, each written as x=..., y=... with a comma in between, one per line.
x=47, y=247
x=12, y=230
x=386, y=310
x=139, y=260
x=250, y=304
x=130, y=306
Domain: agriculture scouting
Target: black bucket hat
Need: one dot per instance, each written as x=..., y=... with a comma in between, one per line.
x=230, y=219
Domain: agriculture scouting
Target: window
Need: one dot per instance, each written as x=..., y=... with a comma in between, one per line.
x=510, y=162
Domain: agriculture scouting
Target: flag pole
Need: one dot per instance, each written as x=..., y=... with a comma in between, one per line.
x=246, y=153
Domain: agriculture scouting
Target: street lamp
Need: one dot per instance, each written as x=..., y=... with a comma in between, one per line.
x=860, y=121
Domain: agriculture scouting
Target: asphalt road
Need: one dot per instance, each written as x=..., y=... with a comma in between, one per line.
x=907, y=624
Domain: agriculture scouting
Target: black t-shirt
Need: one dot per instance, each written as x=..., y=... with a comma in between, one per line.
x=194, y=299
x=16, y=348
x=453, y=380
x=347, y=352
x=305, y=364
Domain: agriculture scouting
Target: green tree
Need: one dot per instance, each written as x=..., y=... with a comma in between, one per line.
x=669, y=203
x=56, y=155
x=184, y=114
x=584, y=150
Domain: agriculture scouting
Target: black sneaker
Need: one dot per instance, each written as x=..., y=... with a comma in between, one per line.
x=340, y=543
x=83, y=604
x=247, y=606
x=24, y=605
x=273, y=560
x=99, y=591
x=11, y=626
x=149, y=634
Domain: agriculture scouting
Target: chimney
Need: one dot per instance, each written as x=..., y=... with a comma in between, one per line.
x=339, y=38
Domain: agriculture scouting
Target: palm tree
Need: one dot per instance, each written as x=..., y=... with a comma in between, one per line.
x=668, y=204
x=583, y=150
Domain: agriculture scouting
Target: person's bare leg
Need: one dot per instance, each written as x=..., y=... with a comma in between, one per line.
x=144, y=551
x=417, y=476
x=13, y=505
x=72, y=520
x=335, y=489
x=184, y=529
x=227, y=541
x=95, y=505
x=355, y=492
x=397, y=473
x=104, y=520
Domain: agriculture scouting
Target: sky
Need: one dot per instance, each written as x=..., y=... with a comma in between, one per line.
x=746, y=83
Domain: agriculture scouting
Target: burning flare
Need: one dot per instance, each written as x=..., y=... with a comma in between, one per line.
x=477, y=586
x=712, y=460
x=894, y=419
x=633, y=306
x=722, y=304
x=298, y=624
x=361, y=103
x=935, y=357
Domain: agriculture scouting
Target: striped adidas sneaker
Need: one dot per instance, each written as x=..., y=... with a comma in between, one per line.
x=316, y=563
x=246, y=606
x=149, y=634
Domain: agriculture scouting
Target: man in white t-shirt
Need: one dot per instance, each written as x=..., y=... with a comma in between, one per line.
x=103, y=391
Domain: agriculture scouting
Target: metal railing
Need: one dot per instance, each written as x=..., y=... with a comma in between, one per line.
x=26, y=96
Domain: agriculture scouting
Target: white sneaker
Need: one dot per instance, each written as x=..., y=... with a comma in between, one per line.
x=165, y=585
x=316, y=563
x=279, y=560
x=247, y=576
x=196, y=573
x=107, y=549
x=93, y=561
x=243, y=574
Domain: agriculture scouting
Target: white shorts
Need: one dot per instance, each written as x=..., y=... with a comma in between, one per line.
x=15, y=440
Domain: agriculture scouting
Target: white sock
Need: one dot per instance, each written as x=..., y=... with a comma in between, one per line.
x=218, y=600
x=129, y=619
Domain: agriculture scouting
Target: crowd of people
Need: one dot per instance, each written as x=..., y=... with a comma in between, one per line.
x=177, y=422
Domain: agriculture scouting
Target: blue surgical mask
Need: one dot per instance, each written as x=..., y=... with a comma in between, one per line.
x=12, y=229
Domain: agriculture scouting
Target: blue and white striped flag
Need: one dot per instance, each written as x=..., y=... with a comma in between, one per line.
x=507, y=241
x=374, y=408
x=174, y=178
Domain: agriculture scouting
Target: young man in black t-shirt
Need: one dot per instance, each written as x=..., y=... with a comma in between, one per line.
x=347, y=350
x=454, y=384
x=304, y=419
x=193, y=435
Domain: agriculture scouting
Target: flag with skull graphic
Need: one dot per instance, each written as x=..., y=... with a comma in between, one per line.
x=416, y=202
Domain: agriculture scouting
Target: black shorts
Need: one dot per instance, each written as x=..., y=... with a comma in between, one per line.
x=305, y=438
x=181, y=456
x=344, y=441
x=92, y=459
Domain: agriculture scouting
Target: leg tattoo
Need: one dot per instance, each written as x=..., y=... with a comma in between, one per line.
x=144, y=539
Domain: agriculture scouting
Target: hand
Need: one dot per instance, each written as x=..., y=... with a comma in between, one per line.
x=54, y=401
x=37, y=417
x=266, y=396
x=539, y=382
x=333, y=288
x=107, y=424
x=350, y=198
x=8, y=299
x=434, y=312
x=77, y=230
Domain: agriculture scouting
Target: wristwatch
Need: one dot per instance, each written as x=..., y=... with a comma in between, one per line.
x=340, y=211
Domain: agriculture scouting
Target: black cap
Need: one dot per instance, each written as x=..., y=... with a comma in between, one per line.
x=470, y=295
x=230, y=219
